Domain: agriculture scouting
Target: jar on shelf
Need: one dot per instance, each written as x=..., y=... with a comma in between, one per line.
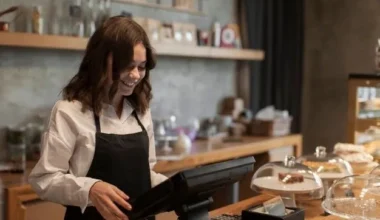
x=16, y=143
x=37, y=20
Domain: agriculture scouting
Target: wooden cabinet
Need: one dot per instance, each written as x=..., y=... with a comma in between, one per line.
x=23, y=204
x=363, y=107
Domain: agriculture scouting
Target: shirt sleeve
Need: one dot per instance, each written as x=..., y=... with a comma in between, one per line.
x=156, y=178
x=50, y=178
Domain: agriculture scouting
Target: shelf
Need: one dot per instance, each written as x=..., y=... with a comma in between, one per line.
x=362, y=125
x=74, y=43
x=163, y=7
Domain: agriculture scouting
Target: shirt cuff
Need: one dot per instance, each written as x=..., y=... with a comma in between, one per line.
x=85, y=191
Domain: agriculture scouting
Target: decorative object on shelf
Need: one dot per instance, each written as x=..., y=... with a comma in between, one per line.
x=178, y=32
x=377, y=56
x=184, y=4
x=185, y=33
x=204, y=38
x=89, y=18
x=153, y=28
x=190, y=34
x=55, y=17
x=166, y=33
x=4, y=25
x=128, y=14
x=232, y=106
x=76, y=13
x=216, y=33
x=270, y=122
x=230, y=36
x=183, y=143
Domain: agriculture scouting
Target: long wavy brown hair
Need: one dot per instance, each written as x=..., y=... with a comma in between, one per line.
x=118, y=35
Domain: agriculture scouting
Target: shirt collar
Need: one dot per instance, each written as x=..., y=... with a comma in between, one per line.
x=109, y=110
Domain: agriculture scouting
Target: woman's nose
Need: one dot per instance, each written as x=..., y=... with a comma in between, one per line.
x=134, y=74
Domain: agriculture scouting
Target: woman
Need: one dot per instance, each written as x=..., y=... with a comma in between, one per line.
x=98, y=150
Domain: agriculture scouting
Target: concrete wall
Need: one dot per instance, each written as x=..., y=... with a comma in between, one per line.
x=340, y=37
x=31, y=79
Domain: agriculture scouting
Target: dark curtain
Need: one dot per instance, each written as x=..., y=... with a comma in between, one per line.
x=276, y=26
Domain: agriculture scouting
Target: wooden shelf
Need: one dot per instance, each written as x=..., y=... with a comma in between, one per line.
x=163, y=7
x=74, y=43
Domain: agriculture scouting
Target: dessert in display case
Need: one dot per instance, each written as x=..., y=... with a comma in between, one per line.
x=329, y=167
x=363, y=107
x=360, y=160
x=354, y=197
x=290, y=180
x=376, y=171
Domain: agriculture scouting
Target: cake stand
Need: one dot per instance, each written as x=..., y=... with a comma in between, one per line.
x=329, y=167
x=290, y=180
x=354, y=197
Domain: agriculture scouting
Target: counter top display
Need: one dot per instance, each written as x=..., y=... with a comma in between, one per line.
x=288, y=179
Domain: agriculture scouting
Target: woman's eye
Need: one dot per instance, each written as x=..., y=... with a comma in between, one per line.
x=141, y=68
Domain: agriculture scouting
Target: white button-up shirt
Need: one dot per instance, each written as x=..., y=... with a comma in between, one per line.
x=68, y=146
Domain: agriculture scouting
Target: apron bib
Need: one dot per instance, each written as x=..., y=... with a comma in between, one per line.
x=121, y=160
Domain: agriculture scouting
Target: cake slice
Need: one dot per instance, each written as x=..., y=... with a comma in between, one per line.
x=289, y=178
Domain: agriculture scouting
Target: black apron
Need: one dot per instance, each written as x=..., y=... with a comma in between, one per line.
x=121, y=160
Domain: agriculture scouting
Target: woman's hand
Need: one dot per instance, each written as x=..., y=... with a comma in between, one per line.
x=104, y=196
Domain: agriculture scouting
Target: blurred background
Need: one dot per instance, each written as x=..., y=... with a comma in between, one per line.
x=276, y=77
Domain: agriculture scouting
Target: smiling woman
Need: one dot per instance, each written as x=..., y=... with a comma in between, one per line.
x=98, y=150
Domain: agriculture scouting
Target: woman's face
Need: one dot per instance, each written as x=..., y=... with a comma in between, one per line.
x=134, y=73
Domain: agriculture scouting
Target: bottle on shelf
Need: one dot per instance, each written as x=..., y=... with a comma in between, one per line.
x=89, y=16
x=377, y=56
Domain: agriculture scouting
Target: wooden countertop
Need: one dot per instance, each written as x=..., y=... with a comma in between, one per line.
x=313, y=209
x=204, y=152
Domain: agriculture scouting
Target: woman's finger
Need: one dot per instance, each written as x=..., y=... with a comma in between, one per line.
x=119, y=200
x=120, y=193
x=113, y=209
x=104, y=212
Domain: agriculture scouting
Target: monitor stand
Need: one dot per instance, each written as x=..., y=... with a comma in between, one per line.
x=194, y=211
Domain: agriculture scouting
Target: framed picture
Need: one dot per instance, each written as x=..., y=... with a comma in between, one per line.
x=166, y=33
x=185, y=34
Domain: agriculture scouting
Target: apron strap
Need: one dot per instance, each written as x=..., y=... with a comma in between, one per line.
x=138, y=120
x=97, y=122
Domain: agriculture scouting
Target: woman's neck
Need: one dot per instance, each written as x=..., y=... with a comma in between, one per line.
x=117, y=103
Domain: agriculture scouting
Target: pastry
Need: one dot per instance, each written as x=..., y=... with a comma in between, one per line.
x=353, y=153
x=322, y=167
x=342, y=148
x=361, y=161
x=289, y=178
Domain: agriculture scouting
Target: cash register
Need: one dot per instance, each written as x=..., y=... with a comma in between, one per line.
x=189, y=193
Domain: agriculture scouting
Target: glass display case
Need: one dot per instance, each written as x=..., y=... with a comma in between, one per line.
x=328, y=166
x=363, y=108
x=290, y=180
x=354, y=197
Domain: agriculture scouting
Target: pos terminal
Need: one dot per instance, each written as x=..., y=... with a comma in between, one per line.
x=189, y=193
